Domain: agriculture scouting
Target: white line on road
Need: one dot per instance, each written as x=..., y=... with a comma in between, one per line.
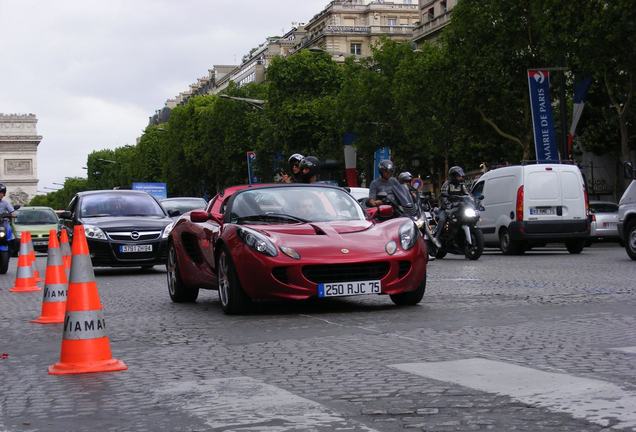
x=627, y=350
x=594, y=400
x=246, y=404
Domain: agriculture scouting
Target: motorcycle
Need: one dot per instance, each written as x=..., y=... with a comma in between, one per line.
x=6, y=242
x=460, y=234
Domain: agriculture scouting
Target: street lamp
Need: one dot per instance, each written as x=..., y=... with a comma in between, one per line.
x=256, y=103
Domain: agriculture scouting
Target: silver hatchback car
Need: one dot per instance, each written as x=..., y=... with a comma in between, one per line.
x=604, y=224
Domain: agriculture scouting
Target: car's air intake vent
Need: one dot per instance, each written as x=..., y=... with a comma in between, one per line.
x=405, y=266
x=346, y=272
x=280, y=273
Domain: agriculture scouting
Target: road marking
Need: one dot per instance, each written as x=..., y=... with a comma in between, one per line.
x=628, y=350
x=246, y=404
x=594, y=400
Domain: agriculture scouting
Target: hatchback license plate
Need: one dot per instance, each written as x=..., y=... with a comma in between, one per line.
x=337, y=289
x=135, y=248
x=543, y=211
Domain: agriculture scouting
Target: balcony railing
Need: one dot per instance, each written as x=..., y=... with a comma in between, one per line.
x=431, y=26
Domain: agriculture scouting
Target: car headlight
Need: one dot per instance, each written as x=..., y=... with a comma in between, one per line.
x=257, y=241
x=167, y=230
x=94, y=232
x=408, y=235
x=470, y=213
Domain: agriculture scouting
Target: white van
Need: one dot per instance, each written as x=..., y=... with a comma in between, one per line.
x=627, y=212
x=531, y=205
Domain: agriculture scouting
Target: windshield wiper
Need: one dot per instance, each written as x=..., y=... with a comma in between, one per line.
x=271, y=216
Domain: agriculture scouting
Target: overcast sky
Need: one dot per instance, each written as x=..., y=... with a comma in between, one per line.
x=93, y=71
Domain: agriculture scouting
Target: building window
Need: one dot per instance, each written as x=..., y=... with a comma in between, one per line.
x=431, y=14
x=443, y=6
x=356, y=48
x=392, y=22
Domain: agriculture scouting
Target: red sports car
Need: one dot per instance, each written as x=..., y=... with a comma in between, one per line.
x=293, y=242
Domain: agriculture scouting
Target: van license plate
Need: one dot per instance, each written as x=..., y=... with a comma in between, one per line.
x=135, y=248
x=543, y=211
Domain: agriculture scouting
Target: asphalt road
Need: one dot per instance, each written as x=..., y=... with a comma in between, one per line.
x=541, y=342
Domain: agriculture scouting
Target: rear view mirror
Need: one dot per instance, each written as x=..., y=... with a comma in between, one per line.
x=17, y=207
x=372, y=212
x=66, y=215
x=199, y=216
x=174, y=213
x=385, y=211
x=628, y=171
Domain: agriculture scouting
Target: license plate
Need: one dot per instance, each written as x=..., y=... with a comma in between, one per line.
x=609, y=224
x=40, y=243
x=337, y=289
x=543, y=211
x=135, y=248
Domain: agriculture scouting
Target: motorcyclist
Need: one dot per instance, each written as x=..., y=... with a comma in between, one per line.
x=5, y=206
x=294, y=168
x=385, y=183
x=309, y=169
x=405, y=179
x=453, y=186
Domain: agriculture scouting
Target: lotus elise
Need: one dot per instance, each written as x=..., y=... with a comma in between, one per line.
x=293, y=242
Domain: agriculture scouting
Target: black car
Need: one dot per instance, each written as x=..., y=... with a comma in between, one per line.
x=124, y=228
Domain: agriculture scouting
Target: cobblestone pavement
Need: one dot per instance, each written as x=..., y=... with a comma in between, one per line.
x=330, y=365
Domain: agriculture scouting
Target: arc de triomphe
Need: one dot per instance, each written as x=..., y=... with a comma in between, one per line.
x=18, y=156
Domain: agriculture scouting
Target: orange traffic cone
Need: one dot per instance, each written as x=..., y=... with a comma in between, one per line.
x=85, y=346
x=55, y=285
x=34, y=267
x=24, y=281
x=66, y=251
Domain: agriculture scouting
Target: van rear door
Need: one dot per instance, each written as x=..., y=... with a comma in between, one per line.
x=553, y=192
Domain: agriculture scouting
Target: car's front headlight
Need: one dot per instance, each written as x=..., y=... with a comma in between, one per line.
x=408, y=235
x=470, y=213
x=257, y=241
x=94, y=232
x=167, y=230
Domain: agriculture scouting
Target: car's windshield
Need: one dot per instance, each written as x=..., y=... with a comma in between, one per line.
x=35, y=217
x=294, y=205
x=119, y=204
x=603, y=208
x=183, y=205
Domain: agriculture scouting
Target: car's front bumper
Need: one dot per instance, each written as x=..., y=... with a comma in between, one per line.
x=284, y=278
x=106, y=253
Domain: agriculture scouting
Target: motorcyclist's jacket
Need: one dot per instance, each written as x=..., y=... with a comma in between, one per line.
x=380, y=185
x=6, y=207
x=449, y=188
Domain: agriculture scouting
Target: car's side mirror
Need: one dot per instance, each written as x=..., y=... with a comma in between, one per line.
x=66, y=215
x=17, y=207
x=480, y=197
x=385, y=211
x=372, y=212
x=628, y=171
x=174, y=213
x=199, y=216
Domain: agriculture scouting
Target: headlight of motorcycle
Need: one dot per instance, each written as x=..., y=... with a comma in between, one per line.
x=257, y=241
x=408, y=235
x=2, y=234
x=419, y=223
x=94, y=232
x=167, y=230
x=470, y=213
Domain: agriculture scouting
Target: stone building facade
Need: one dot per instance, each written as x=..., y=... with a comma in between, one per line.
x=434, y=16
x=19, y=142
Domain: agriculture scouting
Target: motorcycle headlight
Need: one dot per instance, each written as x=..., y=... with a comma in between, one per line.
x=94, y=232
x=408, y=235
x=419, y=223
x=2, y=234
x=470, y=213
x=167, y=230
x=257, y=241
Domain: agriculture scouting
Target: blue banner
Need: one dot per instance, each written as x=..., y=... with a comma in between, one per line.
x=251, y=160
x=379, y=155
x=545, y=144
x=158, y=190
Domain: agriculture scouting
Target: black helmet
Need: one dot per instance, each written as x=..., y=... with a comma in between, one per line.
x=405, y=177
x=312, y=163
x=386, y=165
x=455, y=173
x=295, y=159
x=3, y=188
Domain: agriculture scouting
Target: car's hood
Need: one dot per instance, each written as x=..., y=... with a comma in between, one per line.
x=44, y=228
x=328, y=239
x=127, y=222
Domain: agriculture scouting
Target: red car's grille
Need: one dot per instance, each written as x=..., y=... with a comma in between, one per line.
x=346, y=272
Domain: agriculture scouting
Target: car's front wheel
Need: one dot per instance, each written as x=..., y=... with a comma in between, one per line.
x=410, y=298
x=630, y=237
x=179, y=291
x=233, y=298
x=575, y=246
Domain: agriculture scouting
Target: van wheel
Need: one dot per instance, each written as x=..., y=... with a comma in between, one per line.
x=575, y=246
x=630, y=239
x=508, y=246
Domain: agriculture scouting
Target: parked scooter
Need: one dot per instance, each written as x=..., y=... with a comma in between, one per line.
x=460, y=234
